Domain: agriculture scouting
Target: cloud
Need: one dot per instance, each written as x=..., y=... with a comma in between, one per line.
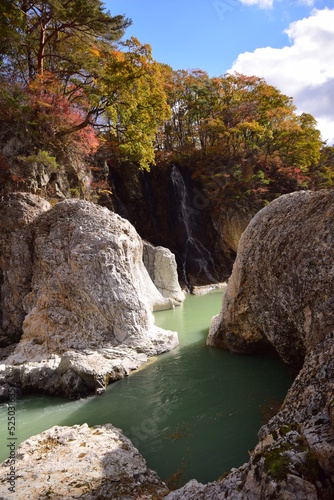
x=263, y=4
x=308, y=3
x=303, y=70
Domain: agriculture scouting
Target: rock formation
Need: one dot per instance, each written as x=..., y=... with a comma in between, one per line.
x=281, y=294
x=281, y=289
x=169, y=208
x=80, y=462
x=87, y=302
x=161, y=266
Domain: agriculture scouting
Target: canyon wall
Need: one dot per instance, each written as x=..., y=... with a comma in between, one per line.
x=169, y=208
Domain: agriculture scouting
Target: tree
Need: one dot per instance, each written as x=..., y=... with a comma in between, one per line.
x=59, y=36
x=134, y=102
x=65, y=59
x=242, y=137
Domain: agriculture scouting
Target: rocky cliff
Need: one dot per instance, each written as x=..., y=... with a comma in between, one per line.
x=16, y=245
x=85, y=308
x=169, y=208
x=281, y=294
x=79, y=462
x=281, y=289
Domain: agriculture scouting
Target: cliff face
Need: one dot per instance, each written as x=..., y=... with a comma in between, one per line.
x=16, y=248
x=169, y=208
x=85, y=309
x=281, y=294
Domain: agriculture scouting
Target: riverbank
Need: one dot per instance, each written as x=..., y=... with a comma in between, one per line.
x=192, y=412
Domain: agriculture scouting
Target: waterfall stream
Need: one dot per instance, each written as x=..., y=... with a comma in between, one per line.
x=185, y=221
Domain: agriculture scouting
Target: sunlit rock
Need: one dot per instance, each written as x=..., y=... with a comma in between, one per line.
x=87, y=290
x=80, y=462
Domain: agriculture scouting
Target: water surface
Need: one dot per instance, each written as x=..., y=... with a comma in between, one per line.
x=193, y=412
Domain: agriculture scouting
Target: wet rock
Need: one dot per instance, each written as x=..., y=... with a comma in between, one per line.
x=169, y=208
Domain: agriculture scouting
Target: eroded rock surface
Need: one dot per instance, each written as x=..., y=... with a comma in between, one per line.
x=81, y=462
x=161, y=266
x=86, y=291
x=281, y=290
x=17, y=211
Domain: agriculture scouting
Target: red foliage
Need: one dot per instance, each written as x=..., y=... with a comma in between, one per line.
x=58, y=117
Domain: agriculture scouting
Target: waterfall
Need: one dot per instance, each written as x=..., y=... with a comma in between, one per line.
x=193, y=250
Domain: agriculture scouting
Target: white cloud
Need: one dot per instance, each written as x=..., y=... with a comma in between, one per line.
x=263, y=4
x=303, y=70
x=308, y=3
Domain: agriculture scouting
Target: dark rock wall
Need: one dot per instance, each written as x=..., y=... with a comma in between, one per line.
x=169, y=208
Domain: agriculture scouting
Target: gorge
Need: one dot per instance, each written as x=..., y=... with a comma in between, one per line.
x=128, y=190
x=301, y=433
x=191, y=403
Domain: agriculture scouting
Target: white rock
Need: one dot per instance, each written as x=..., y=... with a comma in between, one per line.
x=80, y=462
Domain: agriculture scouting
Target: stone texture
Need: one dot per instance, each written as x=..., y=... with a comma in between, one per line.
x=281, y=291
x=152, y=203
x=161, y=266
x=90, y=288
x=81, y=462
x=230, y=224
x=86, y=290
x=281, y=294
x=17, y=211
x=73, y=374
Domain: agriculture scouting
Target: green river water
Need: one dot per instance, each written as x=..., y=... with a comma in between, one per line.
x=193, y=412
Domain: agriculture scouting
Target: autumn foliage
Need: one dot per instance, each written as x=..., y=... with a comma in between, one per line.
x=242, y=138
x=73, y=93
x=70, y=91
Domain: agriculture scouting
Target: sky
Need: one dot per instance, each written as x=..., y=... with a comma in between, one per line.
x=289, y=43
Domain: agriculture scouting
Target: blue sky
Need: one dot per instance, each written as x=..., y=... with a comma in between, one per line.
x=290, y=43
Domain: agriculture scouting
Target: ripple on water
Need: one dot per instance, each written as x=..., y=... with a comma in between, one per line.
x=193, y=412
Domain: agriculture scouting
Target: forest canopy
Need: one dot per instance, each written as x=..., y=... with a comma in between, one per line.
x=73, y=92
x=64, y=69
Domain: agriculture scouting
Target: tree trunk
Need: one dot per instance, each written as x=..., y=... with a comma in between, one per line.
x=41, y=51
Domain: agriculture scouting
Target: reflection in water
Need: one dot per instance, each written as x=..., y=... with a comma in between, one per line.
x=193, y=412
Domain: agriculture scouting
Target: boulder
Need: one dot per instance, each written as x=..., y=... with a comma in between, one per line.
x=80, y=462
x=281, y=289
x=161, y=266
x=87, y=289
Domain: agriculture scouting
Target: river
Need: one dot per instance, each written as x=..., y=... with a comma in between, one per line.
x=193, y=412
